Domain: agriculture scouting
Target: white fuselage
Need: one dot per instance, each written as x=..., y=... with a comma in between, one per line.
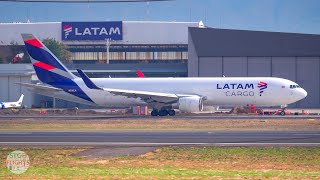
x=218, y=91
x=5, y=105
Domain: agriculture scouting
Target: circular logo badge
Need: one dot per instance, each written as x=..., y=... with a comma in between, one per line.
x=18, y=162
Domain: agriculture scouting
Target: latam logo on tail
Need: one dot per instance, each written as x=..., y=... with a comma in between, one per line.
x=92, y=30
x=262, y=86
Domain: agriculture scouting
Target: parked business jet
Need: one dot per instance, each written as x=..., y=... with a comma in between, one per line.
x=17, y=104
x=164, y=95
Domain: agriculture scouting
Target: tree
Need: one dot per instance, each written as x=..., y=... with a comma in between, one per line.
x=15, y=49
x=57, y=48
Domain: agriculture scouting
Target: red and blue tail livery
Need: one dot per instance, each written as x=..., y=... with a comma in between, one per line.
x=50, y=70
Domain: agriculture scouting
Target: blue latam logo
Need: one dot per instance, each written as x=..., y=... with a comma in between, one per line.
x=262, y=86
x=235, y=86
x=92, y=30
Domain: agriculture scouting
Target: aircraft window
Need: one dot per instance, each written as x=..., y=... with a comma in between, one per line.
x=294, y=86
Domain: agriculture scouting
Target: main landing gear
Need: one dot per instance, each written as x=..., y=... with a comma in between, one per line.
x=163, y=112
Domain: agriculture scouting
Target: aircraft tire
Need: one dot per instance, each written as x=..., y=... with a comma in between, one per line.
x=163, y=113
x=154, y=113
x=282, y=113
x=172, y=113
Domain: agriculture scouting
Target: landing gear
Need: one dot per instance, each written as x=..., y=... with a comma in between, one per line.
x=163, y=112
x=283, y=108
x=154, y=113
x=282, y=113
x=172, y=113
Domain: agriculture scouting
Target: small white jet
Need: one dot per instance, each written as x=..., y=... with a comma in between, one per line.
x=164, y=95
x=17, y=104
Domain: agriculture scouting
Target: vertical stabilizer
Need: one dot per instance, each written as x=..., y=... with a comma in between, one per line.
x=48, y=67
x=20, y=99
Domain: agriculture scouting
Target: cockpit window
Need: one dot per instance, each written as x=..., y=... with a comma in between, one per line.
x=294, y=86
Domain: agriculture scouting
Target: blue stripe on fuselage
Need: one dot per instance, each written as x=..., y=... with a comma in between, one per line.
x=43, y=56
x=61, y=82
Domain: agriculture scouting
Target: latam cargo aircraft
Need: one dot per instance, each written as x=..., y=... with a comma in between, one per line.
x=17, y=104
x=164, y=95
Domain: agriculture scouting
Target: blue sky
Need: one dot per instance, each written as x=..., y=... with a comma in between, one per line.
x=302, y=16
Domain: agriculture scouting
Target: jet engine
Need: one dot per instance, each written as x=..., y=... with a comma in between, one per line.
x=190, y=104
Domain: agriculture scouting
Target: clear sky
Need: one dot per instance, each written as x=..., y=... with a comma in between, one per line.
x=301, y=16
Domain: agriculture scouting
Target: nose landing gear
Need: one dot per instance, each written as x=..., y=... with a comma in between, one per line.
x=283, y=110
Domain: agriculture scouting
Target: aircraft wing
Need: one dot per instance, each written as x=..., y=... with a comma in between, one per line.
x=39, y=87
x=148, y=97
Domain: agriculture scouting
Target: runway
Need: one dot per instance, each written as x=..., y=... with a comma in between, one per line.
x=160, y=138
x=134, y=117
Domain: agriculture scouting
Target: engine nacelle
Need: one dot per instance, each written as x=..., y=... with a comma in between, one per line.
x=191, y=104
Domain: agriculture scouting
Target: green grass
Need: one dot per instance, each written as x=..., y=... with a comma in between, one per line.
x=147, y=172
x=172, y=163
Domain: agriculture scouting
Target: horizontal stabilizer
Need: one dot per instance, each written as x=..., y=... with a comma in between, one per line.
x=39, y=87
x=87, y=80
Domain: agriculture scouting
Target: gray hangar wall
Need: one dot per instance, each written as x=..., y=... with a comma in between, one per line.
x=10, y=75
x=239, y=53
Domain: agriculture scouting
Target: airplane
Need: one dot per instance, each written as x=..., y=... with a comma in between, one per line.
x=17, y=104
x=164, y=95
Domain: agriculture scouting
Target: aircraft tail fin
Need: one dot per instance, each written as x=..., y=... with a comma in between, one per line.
x=140, y=74
x=47, y=66
x=21, y=99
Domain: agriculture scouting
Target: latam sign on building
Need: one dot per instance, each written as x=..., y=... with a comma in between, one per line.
x=91, y=30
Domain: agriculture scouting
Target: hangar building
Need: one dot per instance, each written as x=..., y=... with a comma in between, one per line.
x=240, y=53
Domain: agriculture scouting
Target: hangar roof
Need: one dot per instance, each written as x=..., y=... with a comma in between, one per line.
x=226, y=42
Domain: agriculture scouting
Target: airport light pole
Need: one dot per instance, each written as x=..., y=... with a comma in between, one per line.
x=108, y=44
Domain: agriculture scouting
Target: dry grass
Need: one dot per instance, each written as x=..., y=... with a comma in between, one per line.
x=160, y=124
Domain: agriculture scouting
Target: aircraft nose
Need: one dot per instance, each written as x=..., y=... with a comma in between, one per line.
x=302, y=93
